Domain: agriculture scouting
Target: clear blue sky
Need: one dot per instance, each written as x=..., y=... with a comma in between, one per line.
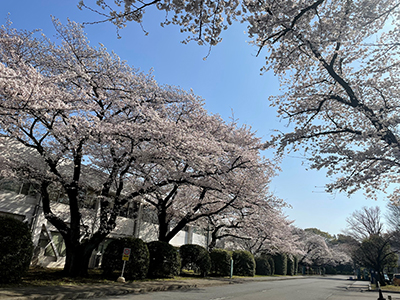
x=229, y=81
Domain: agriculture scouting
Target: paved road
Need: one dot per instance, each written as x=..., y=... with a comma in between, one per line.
x=327, y=288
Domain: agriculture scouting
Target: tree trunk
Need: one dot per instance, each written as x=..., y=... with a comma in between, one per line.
x=381, y=278
x=163, y=225
x=77, y=259
x=213, y=242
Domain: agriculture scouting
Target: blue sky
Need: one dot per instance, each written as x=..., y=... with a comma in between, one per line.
x=229, y=80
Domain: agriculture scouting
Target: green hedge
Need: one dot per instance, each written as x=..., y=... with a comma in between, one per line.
x=290, y=265
x=220, y=262
x=196, y=258
x=296, y=264
x=135, y=268
x=271, y=264
x=262, y=265
x=164, y=260
x=16, y=249
x=280, y=260
x=243, y=263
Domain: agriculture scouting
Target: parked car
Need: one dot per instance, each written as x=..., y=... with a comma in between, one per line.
x=396, y=279
x=387, y=279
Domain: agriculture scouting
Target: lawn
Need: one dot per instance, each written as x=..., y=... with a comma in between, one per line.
x=45, y=277
x=392, y=288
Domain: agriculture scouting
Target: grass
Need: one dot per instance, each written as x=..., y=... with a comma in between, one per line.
x=392, y=288
x=46, y=277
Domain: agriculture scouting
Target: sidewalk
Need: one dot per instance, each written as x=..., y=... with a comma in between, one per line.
x=99, y=290
x=359, y=285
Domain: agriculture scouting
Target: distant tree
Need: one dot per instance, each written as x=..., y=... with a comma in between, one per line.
x=324, y=234
x=313, y=249
x=344, y=239
x=346, y=244
x=364, y=223
x=271, y=232
x=260, y=227
x=375, y=252
x=393, y=223
x=393, y=216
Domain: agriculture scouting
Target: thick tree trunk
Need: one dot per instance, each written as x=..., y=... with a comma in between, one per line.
x=77, y=259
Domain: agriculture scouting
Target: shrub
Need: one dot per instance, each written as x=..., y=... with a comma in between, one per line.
x=290, y=265
x=164, y=260
x=243, y=263
x=220, y=262
x=330, y=270
x=296, y=264
x=16, y=249
x=137, y=265
x=262, y=265
x=271, y=264
x=196, y=258
x=280, y=260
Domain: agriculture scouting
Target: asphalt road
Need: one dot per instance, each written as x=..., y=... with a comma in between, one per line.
x=329, y=288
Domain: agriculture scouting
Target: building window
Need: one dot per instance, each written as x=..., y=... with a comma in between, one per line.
x=11, y=185
x=58, y=242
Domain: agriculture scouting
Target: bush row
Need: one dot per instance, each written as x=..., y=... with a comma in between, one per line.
x=280, y=264
x=153, y=260
x=161, y=260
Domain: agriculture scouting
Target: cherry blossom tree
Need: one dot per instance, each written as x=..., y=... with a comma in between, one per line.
x=338, y=63
x=316, y=250
x=259, y=227
x=270, y=232
x=227, y=174
x=203, y=21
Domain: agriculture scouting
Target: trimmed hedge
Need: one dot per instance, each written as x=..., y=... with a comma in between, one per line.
x=262, y=265
x=220, y=262
x=290, y=265
x=16, y=249
x=271, y=264
x=138, y=264
x=196, y=258
x=243, y=263
x=280, y=260
x=164, y=260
